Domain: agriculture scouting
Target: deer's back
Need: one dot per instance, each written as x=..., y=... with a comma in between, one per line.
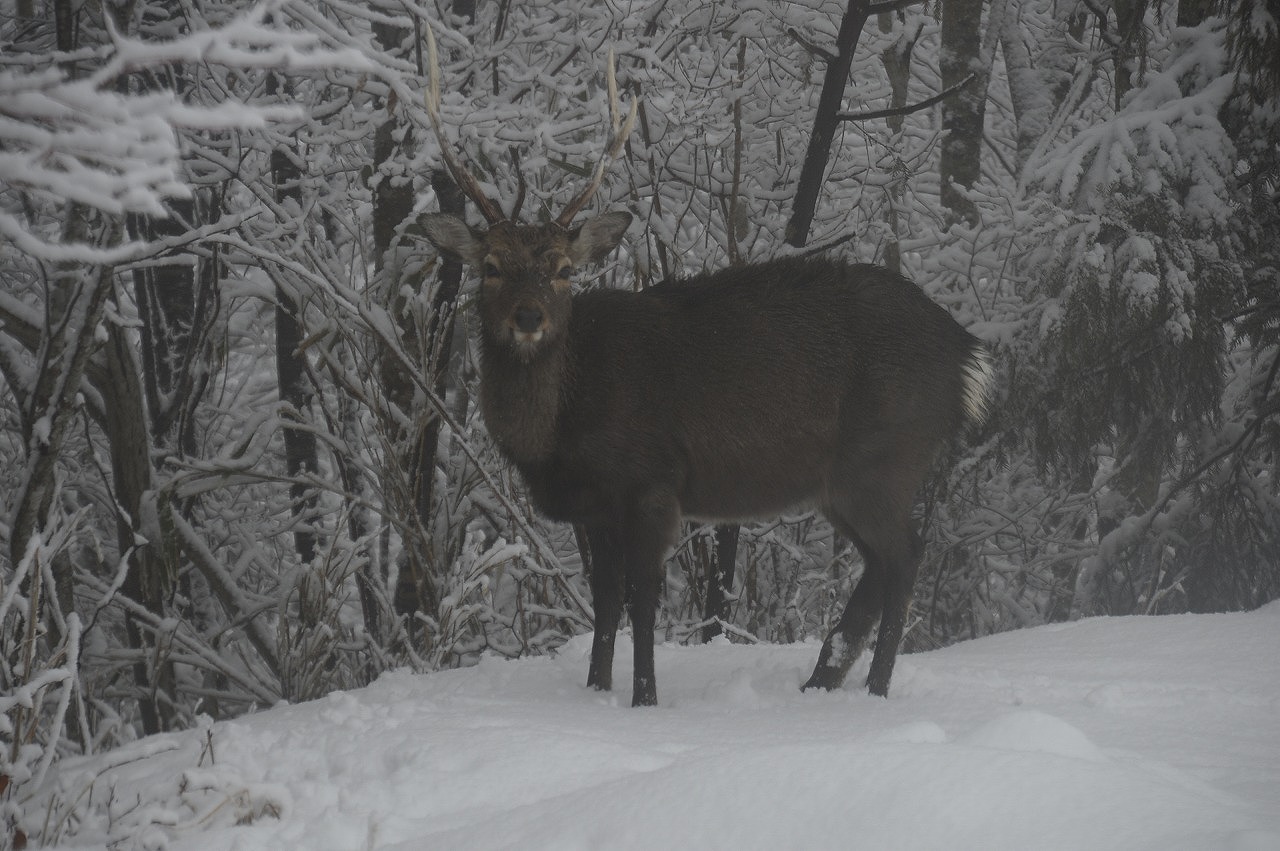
x=734, y=389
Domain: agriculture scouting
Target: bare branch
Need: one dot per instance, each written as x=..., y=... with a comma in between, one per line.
x=909, y=108
x=891, y=6
x=820, y=52
x=1101, y=14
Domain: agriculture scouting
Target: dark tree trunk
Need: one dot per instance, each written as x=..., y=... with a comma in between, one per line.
x=404, y=487
x=358, y=525
x=300, y=451
x=62, y=349
x=1129, y=47
x=65, y=347
x=720, y=580
x=825, y=122
x=897, y=66
x=166, y=305
x=148, y=576
x=150, y=400
x=440, y=327
x=809, y=187
x=1192, y=13
x=963, y=113
x=177, y=305
x=299, y=443
x=393, y=203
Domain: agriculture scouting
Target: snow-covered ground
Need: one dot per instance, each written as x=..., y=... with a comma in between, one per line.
x=1111, y=733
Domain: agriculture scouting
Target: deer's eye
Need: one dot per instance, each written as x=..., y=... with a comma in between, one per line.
x=490, y=270
x=565, y=272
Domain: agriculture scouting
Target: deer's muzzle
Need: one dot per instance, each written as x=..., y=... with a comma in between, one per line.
x=528, y=320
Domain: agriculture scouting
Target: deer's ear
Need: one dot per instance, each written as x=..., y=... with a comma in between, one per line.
x=454, y=237
x=595, y=238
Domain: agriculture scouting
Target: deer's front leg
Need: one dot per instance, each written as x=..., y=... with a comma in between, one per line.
x=649, y=533
x=606, y=595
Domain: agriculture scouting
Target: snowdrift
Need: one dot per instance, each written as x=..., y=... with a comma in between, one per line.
x=1110, y=733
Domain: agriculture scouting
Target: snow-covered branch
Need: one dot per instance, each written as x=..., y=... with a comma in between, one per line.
x=88, y=142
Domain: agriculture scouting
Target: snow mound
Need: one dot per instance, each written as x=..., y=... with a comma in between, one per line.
x=1112, y=733
x=1036, y=732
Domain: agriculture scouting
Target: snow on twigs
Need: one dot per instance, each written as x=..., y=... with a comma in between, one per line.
x=86, y=141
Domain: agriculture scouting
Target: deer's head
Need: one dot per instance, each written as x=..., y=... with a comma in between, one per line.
x=526, y=270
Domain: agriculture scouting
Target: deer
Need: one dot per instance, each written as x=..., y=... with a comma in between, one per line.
x=728, y=396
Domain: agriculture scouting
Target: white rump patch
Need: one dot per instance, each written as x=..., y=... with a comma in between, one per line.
x=977, y=373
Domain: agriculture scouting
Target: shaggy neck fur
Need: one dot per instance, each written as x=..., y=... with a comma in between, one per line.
x=520, y=397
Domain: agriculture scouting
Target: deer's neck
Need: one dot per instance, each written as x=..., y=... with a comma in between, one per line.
x=520, y=399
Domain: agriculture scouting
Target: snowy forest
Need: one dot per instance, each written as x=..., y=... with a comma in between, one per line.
x=240, y=452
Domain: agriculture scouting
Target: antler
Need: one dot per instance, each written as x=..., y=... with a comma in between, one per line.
x=621, y=130
x=520, y=184
x=465, y=179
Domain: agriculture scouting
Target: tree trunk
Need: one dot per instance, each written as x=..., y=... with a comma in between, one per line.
x=720, y=580
x=165, y=296
x=721, y=570
x=897, y=66
x=358, y=524
x=963, y=113
x=77, y=298
x=1039, y=74
x=812, y=174
x=406, y=479
x=440, y=328
x=1129, y=50
x=300, y=452
x=1032, y=108
x=1192, y=13
x=176, y=304
x=825, y=122
x=393, y=202
x=129, y=441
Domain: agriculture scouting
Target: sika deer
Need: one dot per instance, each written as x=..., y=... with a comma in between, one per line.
x=729, y=396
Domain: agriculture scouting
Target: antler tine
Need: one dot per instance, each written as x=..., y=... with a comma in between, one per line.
x=465, y=179
x=520, y=187
x=620, y=134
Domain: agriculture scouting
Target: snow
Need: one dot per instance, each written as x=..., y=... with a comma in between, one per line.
x=1107, y=733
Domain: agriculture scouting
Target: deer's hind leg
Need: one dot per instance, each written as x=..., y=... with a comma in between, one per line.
x=873, y=509
x=899, y=583
x=848, y=638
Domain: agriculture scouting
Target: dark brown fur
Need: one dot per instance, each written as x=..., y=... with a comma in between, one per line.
x=729, y=396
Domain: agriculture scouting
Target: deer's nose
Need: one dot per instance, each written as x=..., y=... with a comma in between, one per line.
x=528, y=319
